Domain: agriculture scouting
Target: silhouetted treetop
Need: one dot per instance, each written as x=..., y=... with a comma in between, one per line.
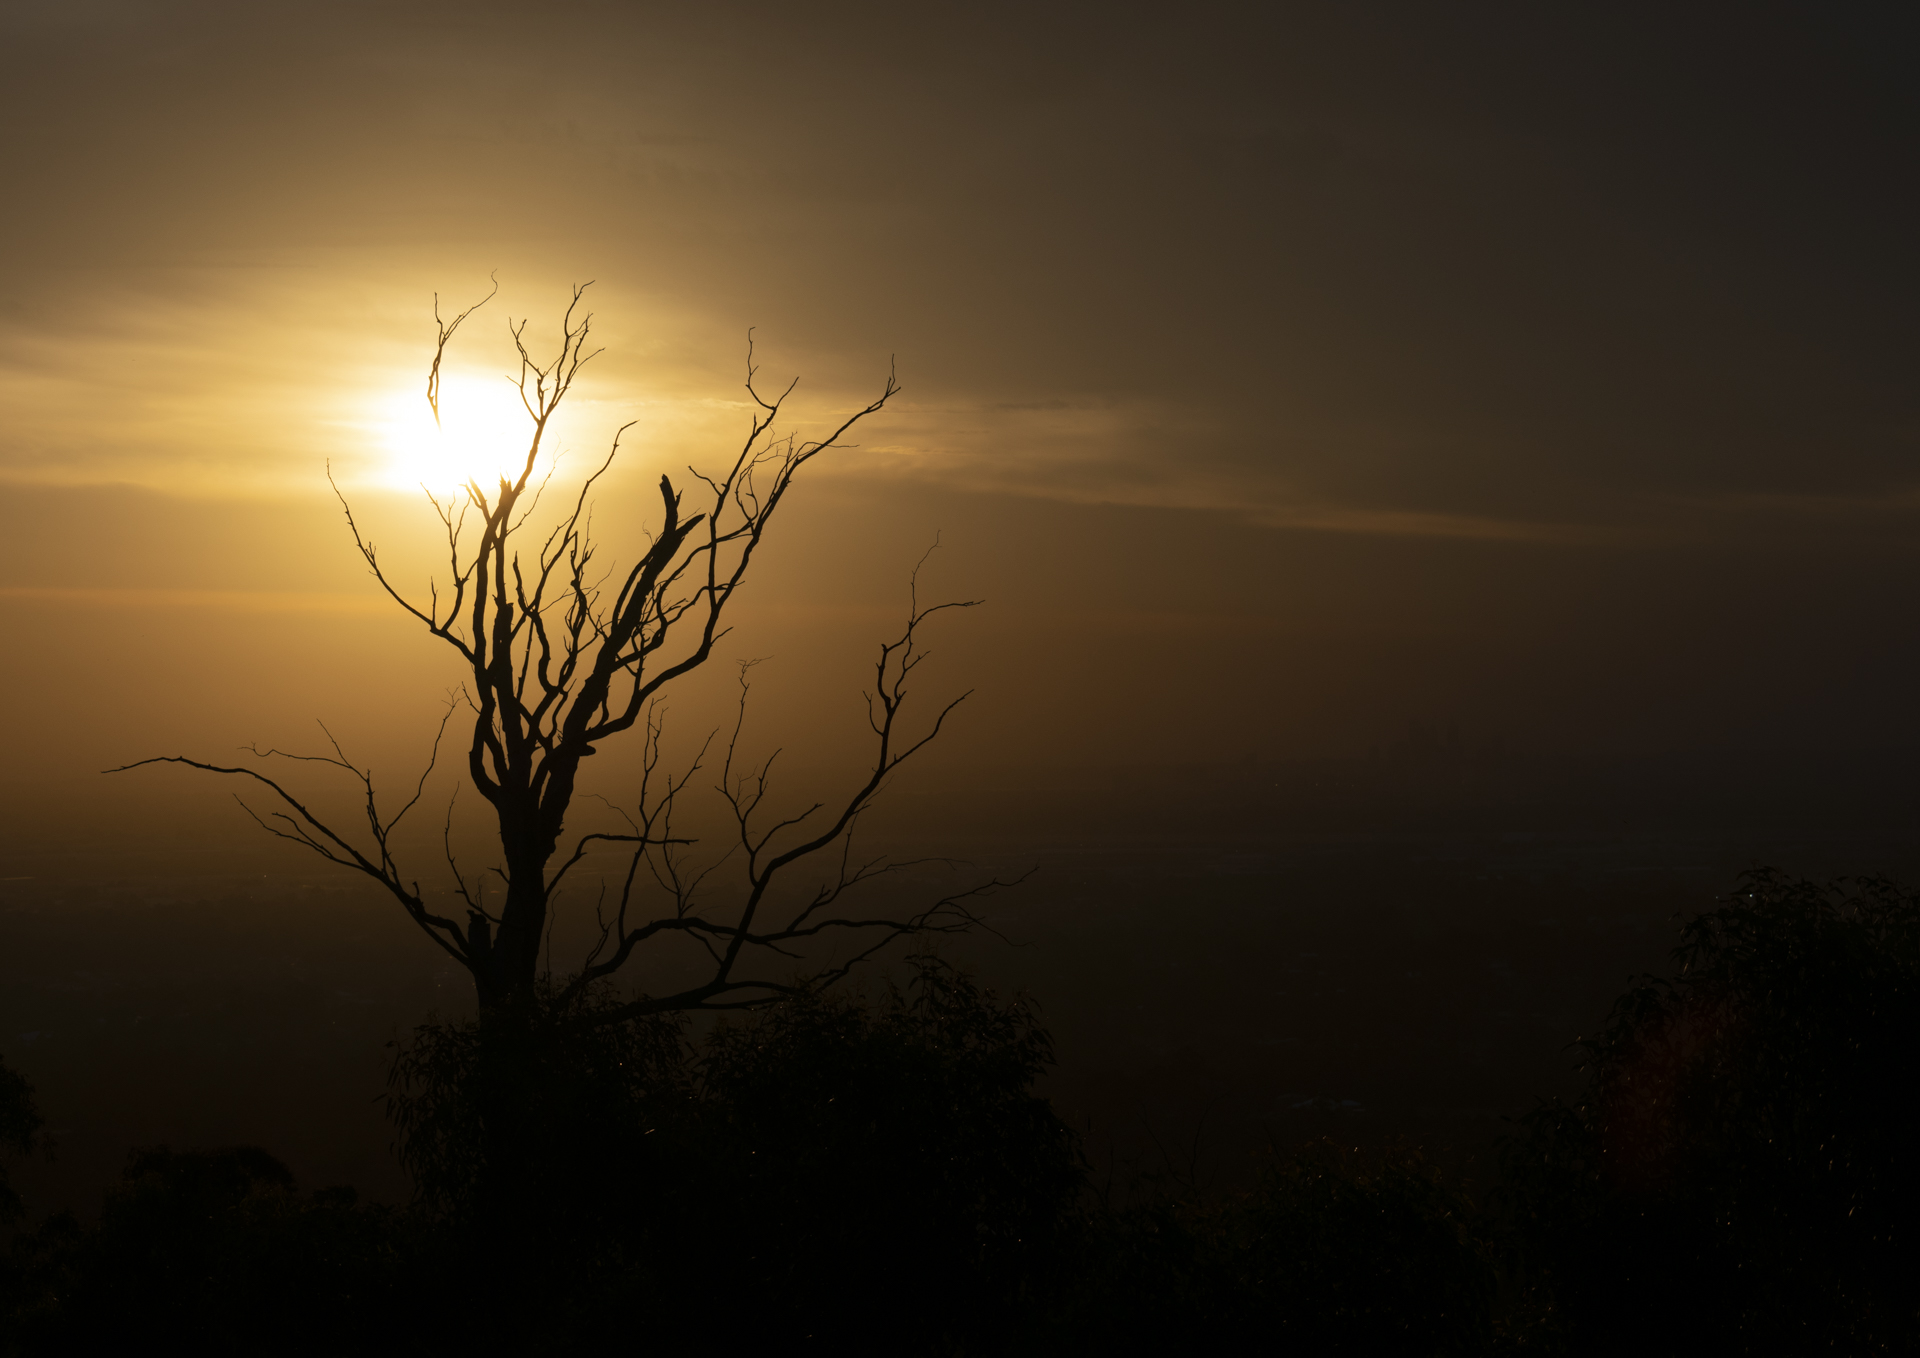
x=1742, y=1158
x=564, y=650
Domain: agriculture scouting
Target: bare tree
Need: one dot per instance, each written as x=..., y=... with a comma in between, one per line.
x=562, y=655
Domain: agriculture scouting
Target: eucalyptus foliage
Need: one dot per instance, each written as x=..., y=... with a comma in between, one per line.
x=1739, y=1175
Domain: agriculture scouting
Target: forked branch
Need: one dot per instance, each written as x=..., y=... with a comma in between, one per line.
x=562, y=652
x=735, y=934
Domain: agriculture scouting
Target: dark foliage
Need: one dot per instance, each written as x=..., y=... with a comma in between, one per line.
x=215, y=1252
x=581, y=1104
x=886, y=1169
x=1332, y=1252
x=1739, y=1177
x=20, y=1123
x=852, y=1170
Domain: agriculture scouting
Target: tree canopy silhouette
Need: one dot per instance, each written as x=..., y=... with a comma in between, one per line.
x=1738, y=1176
x=856, y=1164
x=20, y=1124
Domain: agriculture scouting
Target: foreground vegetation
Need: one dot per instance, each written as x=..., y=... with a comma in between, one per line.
x=878, y=1176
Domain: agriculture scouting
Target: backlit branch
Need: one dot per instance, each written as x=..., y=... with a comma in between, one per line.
x=563, y=650
x=298, y=824
x=728, y=935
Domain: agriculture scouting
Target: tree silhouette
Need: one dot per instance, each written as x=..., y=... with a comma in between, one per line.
x=1333, y=1250
x=20, y=1124
x=563, y=654
x=1738, y=1176
x=215, y=1250
x=856, y=1164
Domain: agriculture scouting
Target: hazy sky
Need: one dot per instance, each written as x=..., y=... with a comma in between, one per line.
x=1281, y=374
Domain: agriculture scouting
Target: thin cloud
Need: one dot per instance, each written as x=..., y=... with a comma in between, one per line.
x=213, y=600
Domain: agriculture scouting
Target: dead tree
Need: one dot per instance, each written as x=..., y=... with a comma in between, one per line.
x=563, y=655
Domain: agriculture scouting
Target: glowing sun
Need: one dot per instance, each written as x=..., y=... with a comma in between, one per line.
x=483, y=434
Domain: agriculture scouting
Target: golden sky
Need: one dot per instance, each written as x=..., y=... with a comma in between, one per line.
x=1280, y=374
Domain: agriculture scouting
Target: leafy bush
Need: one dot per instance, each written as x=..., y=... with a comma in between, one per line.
x=886, y=1168
x=582, y=1101
x=216, y=1252
x=823, y=1167
x=1332, y=1252
x=20, y=1124
x=1738, y=1176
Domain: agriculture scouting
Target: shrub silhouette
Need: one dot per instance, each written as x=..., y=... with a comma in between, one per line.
x=20, y=1123
x=1738, y=1176
x=823, y=1169
x=888, y=1166
x=1333, y=1251
x=593, y=1097
x=215, y=1253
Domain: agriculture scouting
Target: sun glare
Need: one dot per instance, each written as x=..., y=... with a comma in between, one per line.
x=482, y=434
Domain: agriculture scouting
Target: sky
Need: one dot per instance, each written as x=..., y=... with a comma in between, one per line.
x=1280, y=375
